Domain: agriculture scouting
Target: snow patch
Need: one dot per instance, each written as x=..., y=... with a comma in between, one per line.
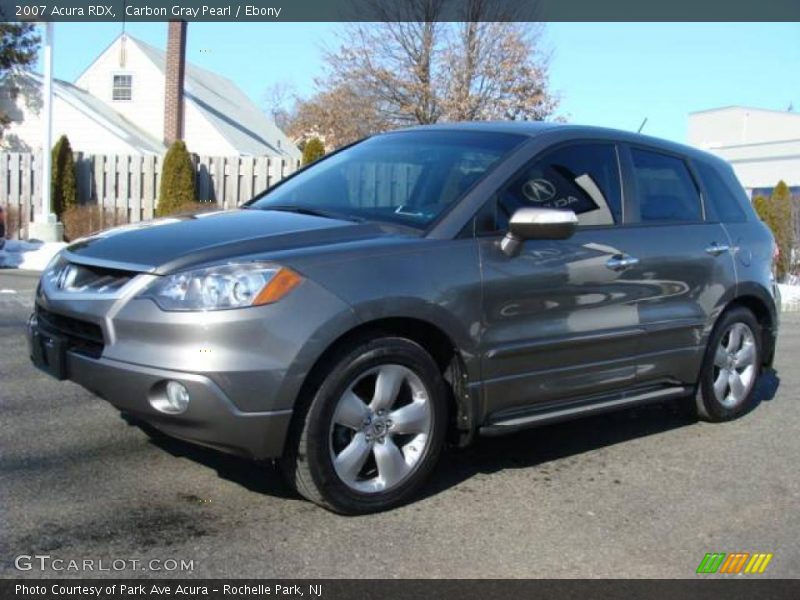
x=31, y=255
x=790, y=297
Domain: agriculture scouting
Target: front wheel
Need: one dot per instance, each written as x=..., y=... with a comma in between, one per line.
x=373, y=430
x=731, y=368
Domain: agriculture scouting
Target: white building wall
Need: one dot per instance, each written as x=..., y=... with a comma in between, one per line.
x=24, y=133
x=146, y=106
x=763, y=146
x=200, y=137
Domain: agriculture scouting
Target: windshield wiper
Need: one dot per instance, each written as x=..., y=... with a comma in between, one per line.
x=315, y=212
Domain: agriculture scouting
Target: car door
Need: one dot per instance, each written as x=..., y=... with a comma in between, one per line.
x=561, y=319
x=683, y=260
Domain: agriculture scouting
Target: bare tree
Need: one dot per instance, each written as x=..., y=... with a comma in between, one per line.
x=278, y=100
x=336, y=116
x=497, y=71
x=397, y=61
x=413, y=67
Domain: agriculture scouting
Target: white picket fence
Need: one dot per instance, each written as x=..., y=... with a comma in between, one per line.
x=129, y=183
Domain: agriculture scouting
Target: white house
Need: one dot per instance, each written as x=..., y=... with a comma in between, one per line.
x=762, y=145
x=117, y=106
x=91, y=125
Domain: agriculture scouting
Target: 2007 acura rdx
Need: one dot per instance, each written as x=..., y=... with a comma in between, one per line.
x=421, y=286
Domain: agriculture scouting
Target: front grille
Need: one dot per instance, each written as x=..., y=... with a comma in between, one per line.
x=72, y=277
x=82, y=336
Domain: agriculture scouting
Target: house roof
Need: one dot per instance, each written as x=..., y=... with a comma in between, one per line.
x=749, y=109
x=227, y=109
x=101, y=113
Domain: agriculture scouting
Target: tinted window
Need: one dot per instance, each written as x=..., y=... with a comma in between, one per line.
x=582, y=177
x=408, y=178
x=665, y=188
x=721, y=201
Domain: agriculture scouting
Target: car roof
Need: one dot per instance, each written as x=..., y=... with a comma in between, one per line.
x=565, y=132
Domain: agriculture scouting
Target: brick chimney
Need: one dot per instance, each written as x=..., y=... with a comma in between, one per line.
x=173, y=81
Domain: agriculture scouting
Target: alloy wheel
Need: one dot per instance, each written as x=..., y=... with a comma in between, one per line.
x=735, y=367
x=381, y=429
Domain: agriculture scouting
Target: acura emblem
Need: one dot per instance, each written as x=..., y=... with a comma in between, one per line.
x=538, y=191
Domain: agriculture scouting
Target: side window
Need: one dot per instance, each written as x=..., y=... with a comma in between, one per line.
x=721, y=200
x=665, y=188
x=583, y=178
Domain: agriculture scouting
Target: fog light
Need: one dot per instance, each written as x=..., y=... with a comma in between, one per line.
x=174, y=401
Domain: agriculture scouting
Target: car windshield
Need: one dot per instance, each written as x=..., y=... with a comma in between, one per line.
x=407, y=178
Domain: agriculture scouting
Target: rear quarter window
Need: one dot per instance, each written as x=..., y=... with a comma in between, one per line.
x=723, y=203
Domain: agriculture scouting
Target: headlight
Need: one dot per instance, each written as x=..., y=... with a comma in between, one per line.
x=54, y=268
x=225, y=286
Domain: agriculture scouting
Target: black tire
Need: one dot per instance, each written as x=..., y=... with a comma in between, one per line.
x=308, y=461
x=708, y=405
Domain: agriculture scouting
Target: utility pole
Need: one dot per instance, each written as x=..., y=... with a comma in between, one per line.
x=45, y=226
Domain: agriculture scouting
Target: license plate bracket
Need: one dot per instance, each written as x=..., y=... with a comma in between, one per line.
x=49, y=353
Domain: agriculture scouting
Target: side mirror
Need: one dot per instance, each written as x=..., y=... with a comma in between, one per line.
x=537, y=224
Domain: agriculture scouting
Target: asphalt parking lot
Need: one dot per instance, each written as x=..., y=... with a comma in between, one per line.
x=640, y=493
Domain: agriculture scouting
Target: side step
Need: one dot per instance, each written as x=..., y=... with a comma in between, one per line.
x=563, y=412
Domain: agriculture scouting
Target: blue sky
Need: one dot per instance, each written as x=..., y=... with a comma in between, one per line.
x=610, y=74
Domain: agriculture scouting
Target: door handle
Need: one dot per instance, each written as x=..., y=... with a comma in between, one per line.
x=716, y=249
x=621, y=262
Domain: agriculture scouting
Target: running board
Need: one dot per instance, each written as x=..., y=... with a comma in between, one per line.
x=535, y=418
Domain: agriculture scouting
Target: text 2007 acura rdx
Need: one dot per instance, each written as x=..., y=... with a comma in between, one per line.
x=421, y=287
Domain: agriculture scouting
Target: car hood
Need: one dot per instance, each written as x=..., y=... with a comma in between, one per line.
x=165, y=245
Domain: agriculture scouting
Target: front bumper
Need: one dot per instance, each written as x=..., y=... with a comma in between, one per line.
x=243, y=368
x=210, y=419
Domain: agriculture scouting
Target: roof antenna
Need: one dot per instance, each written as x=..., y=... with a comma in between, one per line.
x=641, y=126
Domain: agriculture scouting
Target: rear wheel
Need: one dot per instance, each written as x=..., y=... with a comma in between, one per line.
x=373, y=430
x=731, y=368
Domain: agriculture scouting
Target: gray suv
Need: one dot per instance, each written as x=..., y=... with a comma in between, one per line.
x=419, y=288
